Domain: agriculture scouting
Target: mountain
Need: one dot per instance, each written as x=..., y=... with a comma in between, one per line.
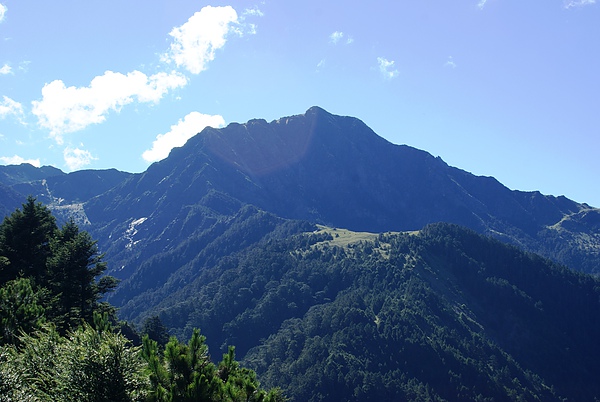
x=311, y=243
x=336, y=171
x=317, y=167
x=63, y=192
x=14, y=174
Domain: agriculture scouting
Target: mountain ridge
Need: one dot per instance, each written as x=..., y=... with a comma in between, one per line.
x=327, y=169
x=336, y=171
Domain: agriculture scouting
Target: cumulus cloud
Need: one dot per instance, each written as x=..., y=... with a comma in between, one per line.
x=386, y=67
x=67, y=109
x=3, y=10
x=191, y=124
x=10, y=107
x=577, y=3
x=17, y=160
x=195, y=42
x=5, y=69
x=76, y=158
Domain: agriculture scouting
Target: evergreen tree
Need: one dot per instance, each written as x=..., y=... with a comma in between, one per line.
x=62, y=264
x=73, y=266
x=156, y=330
x=21, y=309
x=25, y=241
x=90, y=364
x=185, y=373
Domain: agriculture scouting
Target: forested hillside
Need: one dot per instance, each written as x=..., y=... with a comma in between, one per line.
x=324, y=313
x=442, y=313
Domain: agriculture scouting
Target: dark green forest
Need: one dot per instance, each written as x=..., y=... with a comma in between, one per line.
x=439, y=314
x=60, y=342
x=315, y=314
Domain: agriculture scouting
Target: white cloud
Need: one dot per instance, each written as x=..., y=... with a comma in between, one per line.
x=68, y=109
x=386, y=67
x=481, y=4
x=17, y=160
x=5, y=69
x=196, y=41
x=254, y=11
x=191, y=125
x=577, y=3
x=3, y=10
x=76, y=158
x=9, y=106
x=336, y=37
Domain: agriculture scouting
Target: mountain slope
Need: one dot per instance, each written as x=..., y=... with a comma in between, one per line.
x=64, y=193
x=444, y=315
x=440, y=314
x=336, y=171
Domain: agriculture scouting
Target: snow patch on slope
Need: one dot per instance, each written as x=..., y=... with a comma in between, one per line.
x=131, y=231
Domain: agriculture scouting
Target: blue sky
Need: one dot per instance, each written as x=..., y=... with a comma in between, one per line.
x=509, y=89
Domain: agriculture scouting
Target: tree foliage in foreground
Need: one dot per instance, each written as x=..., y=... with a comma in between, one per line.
x=41, y=264
x=185, y=373
x=92, y=363
x=96, y=364
x=56, y=338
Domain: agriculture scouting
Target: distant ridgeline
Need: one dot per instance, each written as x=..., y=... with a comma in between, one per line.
x=239, y=233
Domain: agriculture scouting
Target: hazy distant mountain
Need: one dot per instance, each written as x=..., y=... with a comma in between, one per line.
x=64, y=193
x=25, y=173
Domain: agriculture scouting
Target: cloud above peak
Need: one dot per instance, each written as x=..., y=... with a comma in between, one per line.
x=67, y=109
x=195, y=42
x=76, y=158
x=185, y=129
x=17, y=160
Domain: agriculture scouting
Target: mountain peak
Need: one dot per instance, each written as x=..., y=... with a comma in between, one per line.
x=316, y=110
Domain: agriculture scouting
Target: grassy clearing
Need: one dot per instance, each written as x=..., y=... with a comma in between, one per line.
x=348, y=239
x=344, y=237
